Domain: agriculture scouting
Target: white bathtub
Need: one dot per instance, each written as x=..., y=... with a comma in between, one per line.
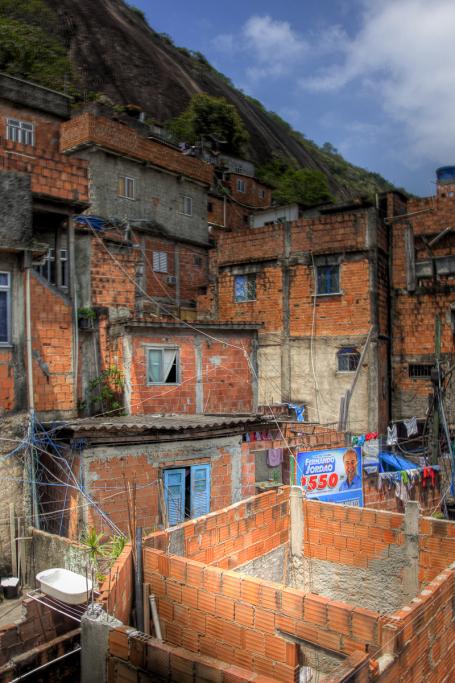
x=64, y=585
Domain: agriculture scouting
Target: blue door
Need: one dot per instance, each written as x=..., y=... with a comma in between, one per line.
x=200, y=490
x=174, y=492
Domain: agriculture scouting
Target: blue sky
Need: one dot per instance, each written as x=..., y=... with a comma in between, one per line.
x=374, y=78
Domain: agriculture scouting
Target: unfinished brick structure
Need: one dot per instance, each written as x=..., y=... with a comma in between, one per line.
x=222, y=594
x=40, y=189
x=422, y=287
x=318, y=285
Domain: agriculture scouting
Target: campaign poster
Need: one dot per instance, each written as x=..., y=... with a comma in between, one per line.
x=332, y=476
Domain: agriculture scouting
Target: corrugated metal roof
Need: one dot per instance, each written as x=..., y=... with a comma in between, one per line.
x=160, y=423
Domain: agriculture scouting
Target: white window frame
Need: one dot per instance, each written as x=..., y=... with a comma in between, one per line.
x=7, y=288
x=186, y=205
x=241, y=185
x=160, y=262
x=45, y=268
x=20, y=131
x=162, y=350
x=127, y=187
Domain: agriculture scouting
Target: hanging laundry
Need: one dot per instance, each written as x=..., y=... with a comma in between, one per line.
x=274, y=457
x=428, y=475
x=361, y=440
x=411, y=426
x=404, y=477
x=392, y=437
x=401, y=491
x=355, y=440
x=371, y=435
x=299, y=411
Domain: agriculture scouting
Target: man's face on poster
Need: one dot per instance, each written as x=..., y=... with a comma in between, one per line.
x=350, y=464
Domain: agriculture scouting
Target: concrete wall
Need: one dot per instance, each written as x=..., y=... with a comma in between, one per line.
x=270, y=567
x=16, y=210
x=49, y=550
x=34, y=96
x=157, y=196
x=12, y=430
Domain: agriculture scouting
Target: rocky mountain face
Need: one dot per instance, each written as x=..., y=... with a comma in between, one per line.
x=113, y=51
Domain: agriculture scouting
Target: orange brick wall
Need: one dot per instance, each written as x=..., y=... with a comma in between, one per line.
x=414, y=312
x=192, y=276
x=349, y=313
x=421, y=636
x=7, y=396
x=52, y=173
x=117, y=591
x=106, y=478
x=267, y=308
x=349, y=535
x=251, y=245
x=333, y=233
x=113, y=274
x=225, y=375
x=118, y=137
x=52, y=339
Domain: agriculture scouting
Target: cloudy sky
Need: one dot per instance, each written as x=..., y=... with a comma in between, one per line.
x=373, y=78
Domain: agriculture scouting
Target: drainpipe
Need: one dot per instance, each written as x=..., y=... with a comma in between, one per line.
x=28, y=330
x=31, y=398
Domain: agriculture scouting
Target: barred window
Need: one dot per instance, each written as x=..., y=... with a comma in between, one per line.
x=5, y=308
x=420, y=370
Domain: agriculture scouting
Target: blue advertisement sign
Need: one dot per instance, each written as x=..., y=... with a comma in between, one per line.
x=332, y=476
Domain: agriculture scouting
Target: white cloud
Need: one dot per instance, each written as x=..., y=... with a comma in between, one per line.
x=401, y=56
x=273, y=46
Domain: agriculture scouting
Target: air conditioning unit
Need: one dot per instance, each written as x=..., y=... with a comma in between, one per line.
x=171, y=280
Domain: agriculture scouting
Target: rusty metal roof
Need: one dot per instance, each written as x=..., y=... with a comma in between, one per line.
x=159, y=423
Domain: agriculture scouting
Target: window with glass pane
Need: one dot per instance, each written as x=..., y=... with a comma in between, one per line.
x=5, y=299
x=186, y=205
x=348, y=359
x=48, y=269
x=241, y=185
x=20, y=131
x=126, y=187
x=328, y=279
x=245, y=287
x=163, y=366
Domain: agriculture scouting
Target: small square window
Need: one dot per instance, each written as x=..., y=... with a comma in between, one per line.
x=198, y=261
x=160, y=261
x=5, y=308
x=20, y=131
x=127, y=187
x=348, y=359
x=328, y=279
x=241, y=185
x=261, y=194
x=163, y=366
x=245, y=287
x=210, y=207
x=186, y=205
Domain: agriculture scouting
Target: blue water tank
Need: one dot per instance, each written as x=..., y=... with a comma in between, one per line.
x=445, y=174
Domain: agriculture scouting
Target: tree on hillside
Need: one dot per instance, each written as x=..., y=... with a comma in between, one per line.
x=208, y=116
x=305, y=186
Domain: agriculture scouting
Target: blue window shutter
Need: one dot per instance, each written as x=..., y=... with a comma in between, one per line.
x=174, y=491
x=200, y=490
